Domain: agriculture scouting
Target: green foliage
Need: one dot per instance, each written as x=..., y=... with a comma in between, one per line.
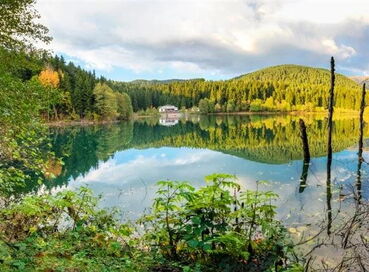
x=82, y=95
x=230, y=106
x=76, y=86
x=72, y=99
x=217, y=108
x=217, y=226
x=124, y=106
x=20, y=64
x=18, y=24
x=22, y=160
x=112, y=105
x=204, y=106
x=65, y=232
x=256, y=105
x=106, y=103
x=14, y=109
x=213, y=228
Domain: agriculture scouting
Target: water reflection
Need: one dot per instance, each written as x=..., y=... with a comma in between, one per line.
x=169, y=120
x=123, y=161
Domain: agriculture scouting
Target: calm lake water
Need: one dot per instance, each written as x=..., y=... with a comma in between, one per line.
x=124, y=161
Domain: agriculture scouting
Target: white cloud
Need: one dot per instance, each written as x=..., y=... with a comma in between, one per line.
x=204, y=36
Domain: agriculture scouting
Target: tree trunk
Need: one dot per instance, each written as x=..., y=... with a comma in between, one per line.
x=360, y=152
x=329, y=148
x=305, y=146
x=305, y=142
x=55, y=113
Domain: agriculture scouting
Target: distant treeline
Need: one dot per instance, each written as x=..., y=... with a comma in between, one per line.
x=279, y=88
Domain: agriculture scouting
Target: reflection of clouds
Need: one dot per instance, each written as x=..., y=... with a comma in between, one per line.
x=98, y=173
x=145, y=165
x=130, y=184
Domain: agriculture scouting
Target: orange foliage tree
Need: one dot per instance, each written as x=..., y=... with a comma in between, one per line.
x=49, y=78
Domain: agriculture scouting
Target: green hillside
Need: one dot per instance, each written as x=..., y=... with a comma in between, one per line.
x=297, y=74
x=278, y=88
x=302, y=85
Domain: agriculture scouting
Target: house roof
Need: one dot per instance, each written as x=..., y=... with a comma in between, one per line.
x=168, y=106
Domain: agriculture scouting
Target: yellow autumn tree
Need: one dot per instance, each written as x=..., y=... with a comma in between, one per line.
x=49, y=78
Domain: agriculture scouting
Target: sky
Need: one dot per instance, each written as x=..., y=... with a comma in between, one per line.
x=162, y=39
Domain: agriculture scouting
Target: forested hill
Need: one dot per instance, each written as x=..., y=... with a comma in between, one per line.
x=278, y=88
x=296, y=74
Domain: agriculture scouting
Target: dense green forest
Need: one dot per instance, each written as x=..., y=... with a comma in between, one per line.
x=279, y=88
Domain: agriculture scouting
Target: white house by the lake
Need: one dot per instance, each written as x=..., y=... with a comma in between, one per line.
x=168, y=109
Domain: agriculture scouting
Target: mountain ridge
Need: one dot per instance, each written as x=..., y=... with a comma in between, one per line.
x=357, y=79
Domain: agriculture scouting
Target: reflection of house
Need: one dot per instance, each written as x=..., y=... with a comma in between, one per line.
x=168, y=122
x=168, y=109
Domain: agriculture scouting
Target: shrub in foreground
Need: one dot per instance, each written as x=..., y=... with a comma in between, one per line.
x=217, y=227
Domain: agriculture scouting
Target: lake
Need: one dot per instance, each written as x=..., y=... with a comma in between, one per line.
x=123, y=161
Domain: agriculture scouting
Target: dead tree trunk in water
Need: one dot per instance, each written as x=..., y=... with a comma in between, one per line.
x=360, y=152
x=362, y=108
x=305, y=145
x=330, y=112
x=329, y=146
x=304, y=138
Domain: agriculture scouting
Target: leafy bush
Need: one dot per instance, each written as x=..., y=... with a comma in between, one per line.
x=112, y=105
x=218, y=227
x=21, y=158
x=214, y=228
x=65, y=232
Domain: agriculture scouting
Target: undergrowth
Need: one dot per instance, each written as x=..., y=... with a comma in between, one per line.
x=218, y=227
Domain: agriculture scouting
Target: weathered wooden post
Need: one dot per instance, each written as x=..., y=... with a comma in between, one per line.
x=329, y=147
x=305, y=146
x=330, y=112
x=304, y=138
x=360, y=152
x=362, y=108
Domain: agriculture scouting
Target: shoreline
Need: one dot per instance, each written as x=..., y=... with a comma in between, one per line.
x=67, y=123
x=247, y=113
x=279, y=112
x=84, y=122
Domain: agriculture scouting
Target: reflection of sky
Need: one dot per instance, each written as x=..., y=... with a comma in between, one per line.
x=128, y=179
